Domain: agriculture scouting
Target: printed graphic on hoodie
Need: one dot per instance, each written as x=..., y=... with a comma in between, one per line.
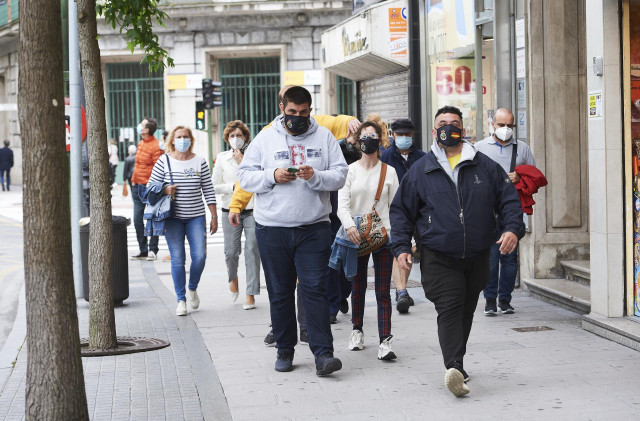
x=298, y=154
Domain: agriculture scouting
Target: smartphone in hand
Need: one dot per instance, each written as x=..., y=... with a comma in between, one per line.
x=292, y=170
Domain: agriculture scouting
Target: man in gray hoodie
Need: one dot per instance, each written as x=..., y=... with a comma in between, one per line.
x=292, y=167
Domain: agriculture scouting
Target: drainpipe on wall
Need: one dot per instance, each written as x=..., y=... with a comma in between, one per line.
x=415, y=82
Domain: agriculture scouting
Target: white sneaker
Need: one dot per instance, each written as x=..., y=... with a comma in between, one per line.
x=181, y=310
x=356, y=340
x=152, y=256
x=194, y=300
x=385, y=352
x=454, y=380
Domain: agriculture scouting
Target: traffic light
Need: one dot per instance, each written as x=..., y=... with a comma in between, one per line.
x=199, y=115
x=211, y=94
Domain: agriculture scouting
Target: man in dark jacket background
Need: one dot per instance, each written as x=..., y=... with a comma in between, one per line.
x=401, y=156
x=452, y=195
x=6, y=163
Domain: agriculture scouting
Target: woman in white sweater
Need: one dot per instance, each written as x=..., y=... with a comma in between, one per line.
x=237, y=136
x=356, y=198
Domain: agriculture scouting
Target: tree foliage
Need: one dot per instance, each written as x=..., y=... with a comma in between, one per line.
x=135, y=18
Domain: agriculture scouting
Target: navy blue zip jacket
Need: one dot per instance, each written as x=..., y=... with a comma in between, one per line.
x=459, y=222
x=391, y=156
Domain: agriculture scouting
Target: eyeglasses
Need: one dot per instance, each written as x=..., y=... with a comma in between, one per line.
x=511, y=126
x=370, y=135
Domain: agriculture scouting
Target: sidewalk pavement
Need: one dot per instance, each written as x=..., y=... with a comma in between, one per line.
x=217, y=366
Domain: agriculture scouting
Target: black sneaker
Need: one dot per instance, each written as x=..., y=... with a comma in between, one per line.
x=505, y=307
x=284, y=362
x=402, y=303
x=141, y=256
x=333, y=318
x=304, y=337
x=490, y=308
x=269, y=340
x=326, y=364
x=411, y=303
x=344, y=306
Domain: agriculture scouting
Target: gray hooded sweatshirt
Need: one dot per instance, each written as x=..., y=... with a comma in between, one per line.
x=468, y=153
x=299, y=202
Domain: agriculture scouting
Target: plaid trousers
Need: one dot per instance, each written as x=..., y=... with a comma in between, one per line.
x=382, y=263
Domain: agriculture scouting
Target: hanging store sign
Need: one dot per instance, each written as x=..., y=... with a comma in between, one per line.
x=398, y=35
x=303, y=77
x=370, y=44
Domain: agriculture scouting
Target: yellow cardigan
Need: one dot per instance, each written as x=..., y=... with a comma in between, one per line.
x=337, y=125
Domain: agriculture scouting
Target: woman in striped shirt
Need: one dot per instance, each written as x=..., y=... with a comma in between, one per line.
x=191, y=180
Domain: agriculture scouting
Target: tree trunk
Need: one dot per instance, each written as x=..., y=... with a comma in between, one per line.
x=55, y=383
x=102, y=326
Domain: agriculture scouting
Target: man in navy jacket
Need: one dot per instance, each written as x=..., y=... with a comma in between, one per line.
x=6, y=163
x=453, y=195
x=401, y=156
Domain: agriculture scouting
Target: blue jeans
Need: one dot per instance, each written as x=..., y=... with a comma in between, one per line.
x=301, y=252
x=503, y=269
x=195, y=232
x=138, y=211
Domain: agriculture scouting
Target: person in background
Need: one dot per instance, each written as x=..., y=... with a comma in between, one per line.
x=385, y=142
x=129, y=163
x=148, y=152
x=503, y=148
x=401, y=156
x=357, y=198
x=187, y=178
x=6, y=163
x=225, y=175
x=113, y=161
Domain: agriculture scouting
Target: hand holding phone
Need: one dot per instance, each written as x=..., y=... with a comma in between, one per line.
x=292, y=170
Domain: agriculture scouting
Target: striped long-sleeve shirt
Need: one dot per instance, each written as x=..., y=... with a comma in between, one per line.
x=192, y=179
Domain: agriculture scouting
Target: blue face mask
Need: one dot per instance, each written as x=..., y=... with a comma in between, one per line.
x=182, y=144
x=139, y=129
x=403, y=142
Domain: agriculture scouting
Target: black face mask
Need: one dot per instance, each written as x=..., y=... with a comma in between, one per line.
x=296, y=124
x=369, y=145
x=449, y=135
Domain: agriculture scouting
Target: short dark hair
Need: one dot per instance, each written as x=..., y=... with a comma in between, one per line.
x=6, y=143
x=152, y=125
x=448, y=109
x=298, y=95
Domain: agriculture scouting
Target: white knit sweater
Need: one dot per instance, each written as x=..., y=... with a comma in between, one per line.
x=357, y=196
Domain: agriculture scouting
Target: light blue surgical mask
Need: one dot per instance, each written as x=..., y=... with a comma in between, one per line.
x=139, y=129
x=182, y=144
x=403, y=142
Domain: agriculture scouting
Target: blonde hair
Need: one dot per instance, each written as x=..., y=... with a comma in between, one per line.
x=375, y=117
x=169, y=146
x=237, y=124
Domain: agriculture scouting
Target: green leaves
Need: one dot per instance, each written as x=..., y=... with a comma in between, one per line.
x=135, y=18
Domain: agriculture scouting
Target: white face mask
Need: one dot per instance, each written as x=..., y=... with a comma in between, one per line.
x=503, y=133
x=236, y=142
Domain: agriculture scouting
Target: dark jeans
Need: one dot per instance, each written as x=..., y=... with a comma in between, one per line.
x=338, y=289
x=138, y=211
x=454, y=286
x=302, y=253
x=4, y=174
x=503, y=269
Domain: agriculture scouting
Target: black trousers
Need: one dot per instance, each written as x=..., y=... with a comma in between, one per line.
x=454, y=285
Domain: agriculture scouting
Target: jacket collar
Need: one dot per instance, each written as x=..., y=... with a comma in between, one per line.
x=437, y=154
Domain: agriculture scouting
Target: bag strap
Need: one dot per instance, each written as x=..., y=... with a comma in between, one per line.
x=383, y=175
x=169, y=166
x=514, y=152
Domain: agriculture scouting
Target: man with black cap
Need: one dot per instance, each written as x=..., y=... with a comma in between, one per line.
x=401, y=156
x=453, y=195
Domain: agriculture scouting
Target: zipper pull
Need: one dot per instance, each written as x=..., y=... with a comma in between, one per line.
x=461, y=217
